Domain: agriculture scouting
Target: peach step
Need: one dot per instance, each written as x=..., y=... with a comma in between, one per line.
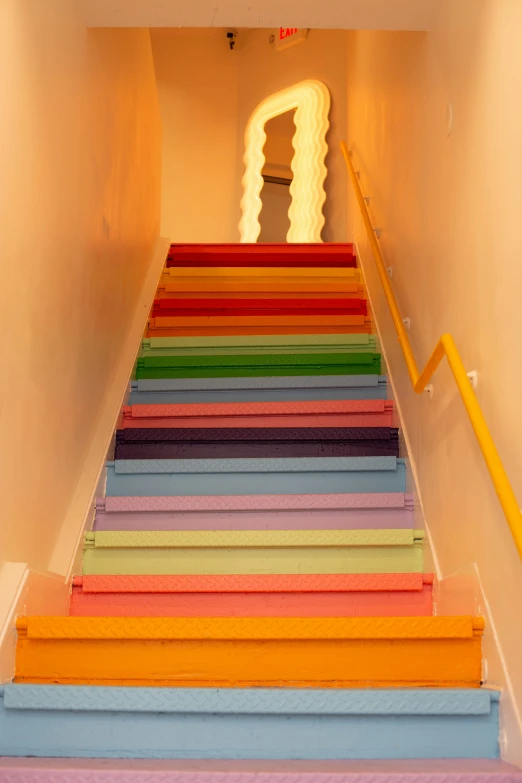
x=329, y=413
x=372, y=595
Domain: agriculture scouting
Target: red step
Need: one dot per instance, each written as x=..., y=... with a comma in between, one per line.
x=264, y=255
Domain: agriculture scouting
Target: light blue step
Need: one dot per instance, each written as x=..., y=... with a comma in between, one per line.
x=327, y=387
x=293, y=476
x=184, y=723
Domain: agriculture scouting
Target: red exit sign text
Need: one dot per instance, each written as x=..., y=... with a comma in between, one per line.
x=288, y=36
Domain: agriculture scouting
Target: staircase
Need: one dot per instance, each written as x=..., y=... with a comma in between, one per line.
x=253, y=603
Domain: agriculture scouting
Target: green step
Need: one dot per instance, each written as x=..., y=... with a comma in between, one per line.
x=259, y=344
x=224, y=366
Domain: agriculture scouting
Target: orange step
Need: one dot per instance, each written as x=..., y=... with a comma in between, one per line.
x=240, y=652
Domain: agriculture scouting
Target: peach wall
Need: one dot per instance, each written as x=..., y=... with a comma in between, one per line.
x=80, y=216
x=448, y=207
x=207, y=94
x=197, y=84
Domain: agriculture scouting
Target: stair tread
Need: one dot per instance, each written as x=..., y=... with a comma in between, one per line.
x=267, y=628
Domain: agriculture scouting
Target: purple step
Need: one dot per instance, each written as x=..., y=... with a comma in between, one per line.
x=30, y=770
x=209, y=443
x=385, y=511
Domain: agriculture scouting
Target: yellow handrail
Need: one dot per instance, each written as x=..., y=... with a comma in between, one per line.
x=445, y=348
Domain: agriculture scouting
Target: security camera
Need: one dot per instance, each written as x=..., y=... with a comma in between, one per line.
x=231, y=38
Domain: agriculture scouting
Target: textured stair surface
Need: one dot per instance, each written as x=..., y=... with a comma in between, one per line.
x=231, y=652
x=297, y=388
x=248, y=724
x=332, y=413
x=18, y=770
x=381, y=595
x=253, y=600
x=324, y=475
x=379, y=511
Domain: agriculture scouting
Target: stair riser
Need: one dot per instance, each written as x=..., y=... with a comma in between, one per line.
x=362, y=325
x=255, y=372
x=142, y=484
x=184, y=736
x=240, y=450
x=225, y=560
x=254, y=395
x=399, y=604
x=327, y=519
x=320, y=663
x=266, y=421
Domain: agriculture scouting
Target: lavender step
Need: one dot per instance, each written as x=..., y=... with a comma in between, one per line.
x=144, y=771
x=386, y=511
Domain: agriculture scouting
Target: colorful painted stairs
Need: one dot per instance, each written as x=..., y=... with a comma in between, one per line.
x=253, y=589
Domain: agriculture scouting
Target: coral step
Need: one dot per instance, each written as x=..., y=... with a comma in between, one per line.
x=264, y=344
x=259, y=324
x=279, y=389
x=327, y=288
x=332, y=596
x=261, y=255
x=87, y=770
x=219, y=365
x=291, y=476
x=257, y=512
x=322, y=413
x=208, y=443
x=254, y=724
x=244, y=652
x=253, y=551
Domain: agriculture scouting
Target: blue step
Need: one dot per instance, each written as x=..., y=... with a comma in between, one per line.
x=292, y=476
x=257, y=723
x=284, y=389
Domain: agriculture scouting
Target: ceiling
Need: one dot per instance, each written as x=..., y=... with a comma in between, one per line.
x=327, y=14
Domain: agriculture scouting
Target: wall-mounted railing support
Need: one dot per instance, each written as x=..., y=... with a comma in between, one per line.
x=445, y=348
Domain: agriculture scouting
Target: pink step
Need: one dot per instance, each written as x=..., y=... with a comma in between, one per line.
x=31, y=770
x=320, y=413
x=333, y=595
x=387, y=510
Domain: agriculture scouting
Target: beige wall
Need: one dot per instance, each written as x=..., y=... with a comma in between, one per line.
x=197, y=84
x=207, y=94
x=449, y=210
x=80, y=140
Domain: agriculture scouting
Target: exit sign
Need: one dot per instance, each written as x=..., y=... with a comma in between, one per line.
x=288, y=36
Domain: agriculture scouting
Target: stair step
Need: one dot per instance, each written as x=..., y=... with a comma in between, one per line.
x=321, y=413
x=291, y=476
x=87, y=770
x=260, y=324
x=385, y=511
x=253, y=551
x=235, y=652
x=209, y=443
x=238, y=287
x=264, y=344
x=278, y=389
x=220, y=366
x=254, y=306
x=261, y=255
x=378, y=595
x=165, y=723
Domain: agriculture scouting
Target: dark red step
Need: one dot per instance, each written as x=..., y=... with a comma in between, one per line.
x=217, y=307
x=264, y=255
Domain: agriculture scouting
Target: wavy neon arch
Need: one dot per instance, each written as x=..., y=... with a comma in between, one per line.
x=311, y=100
